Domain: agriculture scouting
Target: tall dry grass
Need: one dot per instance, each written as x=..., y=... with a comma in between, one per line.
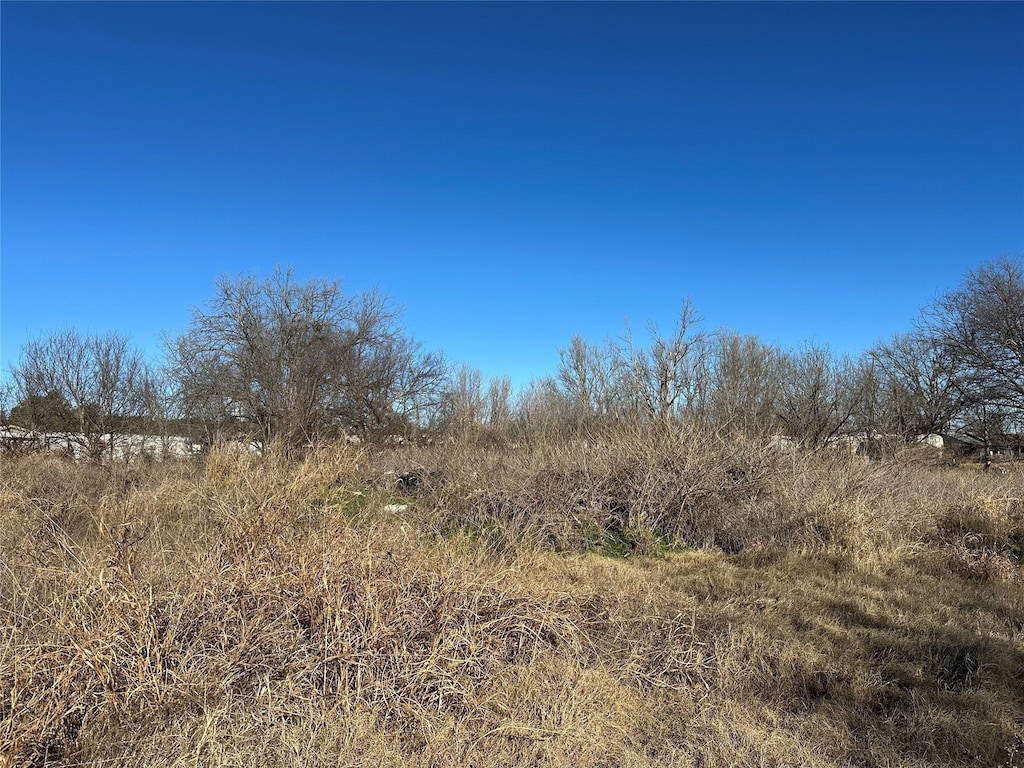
x=637, y=598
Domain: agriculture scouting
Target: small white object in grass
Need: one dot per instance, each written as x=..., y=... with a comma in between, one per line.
x=395, y=508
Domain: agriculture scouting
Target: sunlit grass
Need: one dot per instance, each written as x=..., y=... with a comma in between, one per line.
x=635, y=600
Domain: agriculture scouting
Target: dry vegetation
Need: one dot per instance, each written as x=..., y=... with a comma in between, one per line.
x=633, y=599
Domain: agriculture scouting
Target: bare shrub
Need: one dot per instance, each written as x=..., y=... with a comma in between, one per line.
x=643, y=487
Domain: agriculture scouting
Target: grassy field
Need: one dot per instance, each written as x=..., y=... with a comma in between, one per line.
x=633, y=599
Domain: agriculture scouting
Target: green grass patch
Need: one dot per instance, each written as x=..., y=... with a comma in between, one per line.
x=621, y=542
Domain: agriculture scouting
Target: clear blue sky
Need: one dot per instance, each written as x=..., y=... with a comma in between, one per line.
x=511, y=174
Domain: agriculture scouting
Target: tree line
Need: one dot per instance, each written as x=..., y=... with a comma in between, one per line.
x=277, y=361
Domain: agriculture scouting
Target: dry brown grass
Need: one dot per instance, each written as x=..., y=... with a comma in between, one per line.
x=635, y=599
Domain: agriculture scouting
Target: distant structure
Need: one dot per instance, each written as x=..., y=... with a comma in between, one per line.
x=127, y=448
x=784, y=444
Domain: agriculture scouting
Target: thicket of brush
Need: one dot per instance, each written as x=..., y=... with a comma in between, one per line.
x=635, y=598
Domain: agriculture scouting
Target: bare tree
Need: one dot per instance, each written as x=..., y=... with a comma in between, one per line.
x=587, y=376
x=918, y=392
x=818, y=395
x=471, y=406
x=980, y=328
x=742, y=383
x=391, y=386
x=279, y=360
x=543, y=408
x=157, y=416
x=7, y=399
x=664, y=376
x=499, y=402
x=261, y=355
x=464, y=399
x=100, y=378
